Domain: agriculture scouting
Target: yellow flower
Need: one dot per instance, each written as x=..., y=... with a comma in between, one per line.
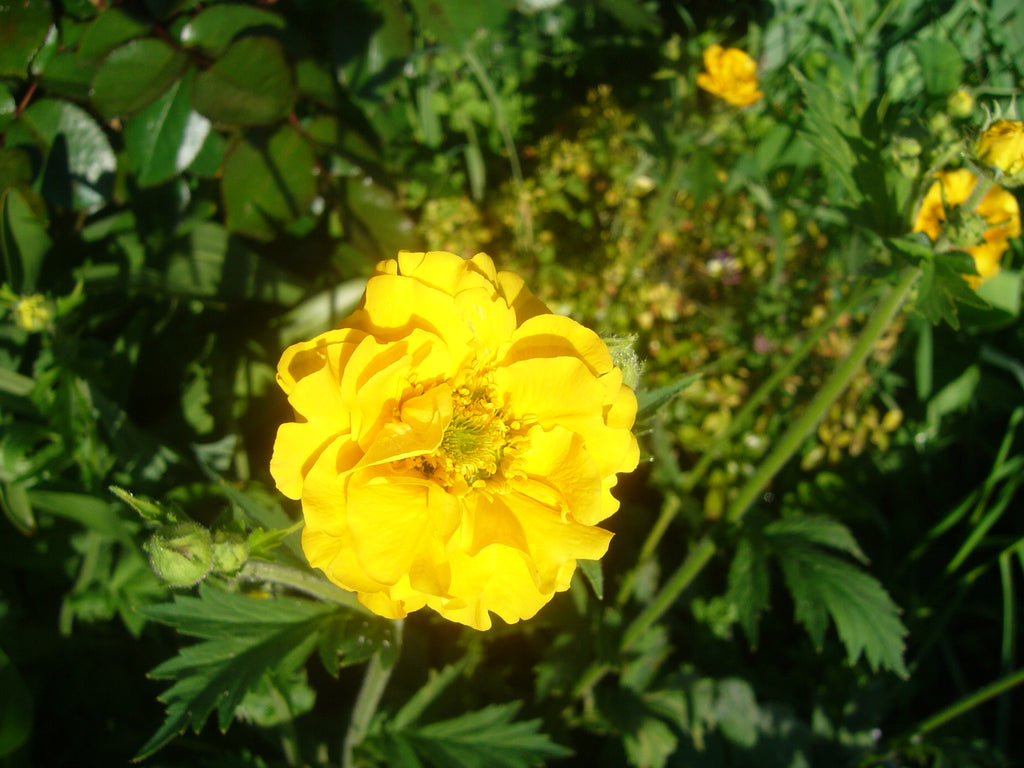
x=32, y=313
x=1002, y=146
x=998, y=208
x=731, y=74
x=456, y=443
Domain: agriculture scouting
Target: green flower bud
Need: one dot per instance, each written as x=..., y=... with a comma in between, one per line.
x=181, y=554
x=960, y=103
x=965, y=228
x=623, y=351
x=230, y=551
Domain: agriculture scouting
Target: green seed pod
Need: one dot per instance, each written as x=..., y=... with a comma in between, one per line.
x=181, y=554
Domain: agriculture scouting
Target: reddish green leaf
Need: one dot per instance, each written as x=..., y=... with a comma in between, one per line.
x=251, y=84
x=215, y=28
x=164, y=138
x=24, y=25
x=268, y=184
x=135, y=75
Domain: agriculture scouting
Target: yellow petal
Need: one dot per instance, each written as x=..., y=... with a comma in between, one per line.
x=546, y=336
x=296, y=449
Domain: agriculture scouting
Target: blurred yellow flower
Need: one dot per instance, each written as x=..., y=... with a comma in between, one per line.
x=32, y=313
x=1002, y=146
x=998, y=208
x=456, y=443
x=731, y=74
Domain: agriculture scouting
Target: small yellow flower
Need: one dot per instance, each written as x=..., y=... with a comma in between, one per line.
x=456, y=443
x=731, y=74
x=998, y=208
x=1002, y=147
x=32, y=313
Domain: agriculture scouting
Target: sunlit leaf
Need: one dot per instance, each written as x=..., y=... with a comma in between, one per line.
x=214, y=28
x=23, y=28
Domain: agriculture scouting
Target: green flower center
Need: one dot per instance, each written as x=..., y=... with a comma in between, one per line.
x=474, y=443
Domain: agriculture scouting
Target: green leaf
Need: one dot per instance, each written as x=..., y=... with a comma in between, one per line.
x=268, y=184
x=17, y=507
x=8, y=108
x=824, y=585
x=24, y=242
x=244, y=639
x=453, y=22
x=942, y=285
x=815, y=529
x=1002, y=291
x=748, y=585
x=214, y=28
x=592, y=571
x=941, y=66
x=134, y=75
x=80, y=163
x=164, y=138
x=251, y=84
x=24, y=25
x=379, y=226
x=111, y=28
x=486, y=738
x=648, y=401
x=146, y=507
x=94, y=513
x=217, y=265
x=633, y=15
x=15, y=707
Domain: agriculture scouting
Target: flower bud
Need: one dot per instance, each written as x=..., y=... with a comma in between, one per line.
x=960, y=103
x=965, y=228
x=1002, y=147
x=33, y=313
x=230, y=551
x=623, y=351
x=181, y=554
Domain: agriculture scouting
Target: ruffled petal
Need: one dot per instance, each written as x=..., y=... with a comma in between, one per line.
x=547, y=336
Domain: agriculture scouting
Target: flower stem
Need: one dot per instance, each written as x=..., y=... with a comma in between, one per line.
x=374, y=683
x=694, y=563
x=794, y=437
x=761, y=394
x=301, y=581
x=970, y=701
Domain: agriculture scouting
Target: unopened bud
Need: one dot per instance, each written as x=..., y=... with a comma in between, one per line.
x=230, y=551
x=181, y=554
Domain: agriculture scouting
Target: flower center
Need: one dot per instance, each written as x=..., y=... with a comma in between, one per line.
x=474, y=443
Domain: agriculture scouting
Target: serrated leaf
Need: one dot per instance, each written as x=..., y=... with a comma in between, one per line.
x=748, y=585
x=866, y=618
x=147, y=508
x=134, y=75
x=245, y=638
x=251, y=84
x=163, y=139
x=486, y=738
x=942, y=285
x=822, y=530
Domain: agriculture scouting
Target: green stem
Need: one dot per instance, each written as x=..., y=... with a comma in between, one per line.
x=301, y=581
x=694, y=563
x=679, y=581
x=761, y=394
x=794, y=437
x=374, y=683
x=970, y=701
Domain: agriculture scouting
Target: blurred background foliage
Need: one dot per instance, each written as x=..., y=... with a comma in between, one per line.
x=188, y=187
